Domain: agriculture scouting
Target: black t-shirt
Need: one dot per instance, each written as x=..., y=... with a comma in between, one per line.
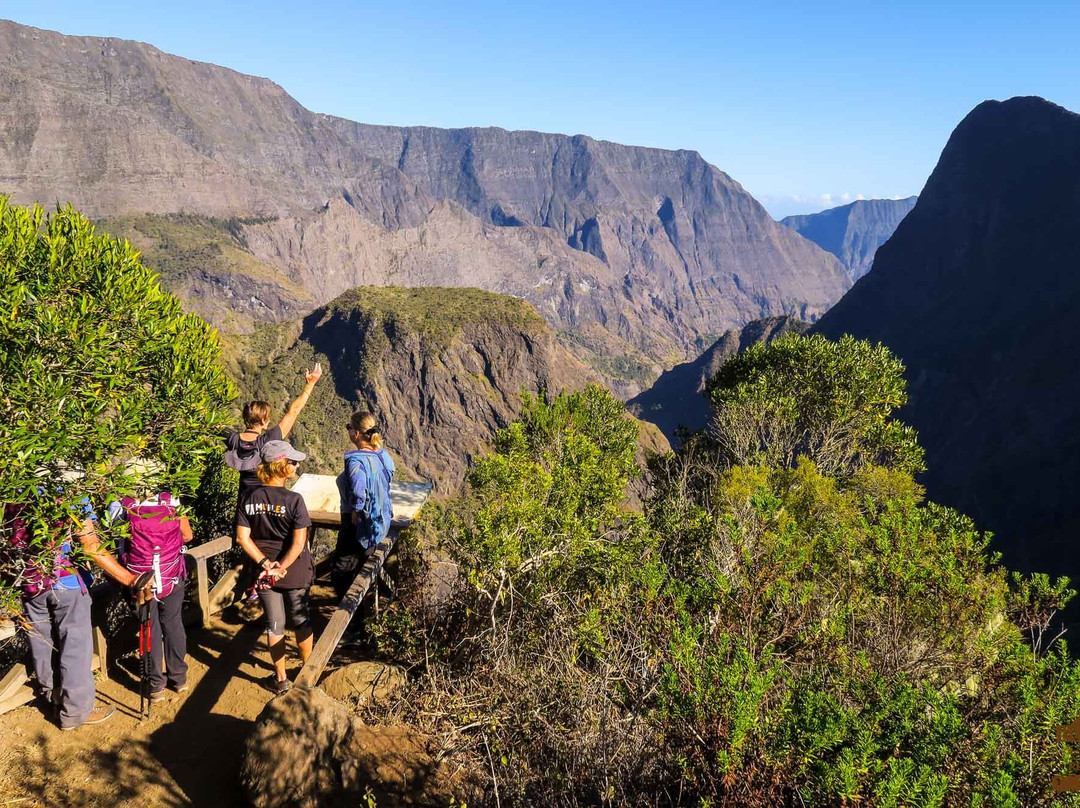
x=247, y=452
x=273, y=513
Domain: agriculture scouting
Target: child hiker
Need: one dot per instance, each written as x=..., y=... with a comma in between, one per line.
x=271, y=528
x=366, y=512
x=242, y=448
x=156, y=546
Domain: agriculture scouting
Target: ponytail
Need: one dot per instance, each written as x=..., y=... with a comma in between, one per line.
x=364, y=424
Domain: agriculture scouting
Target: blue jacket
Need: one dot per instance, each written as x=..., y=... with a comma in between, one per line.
x=365, y=489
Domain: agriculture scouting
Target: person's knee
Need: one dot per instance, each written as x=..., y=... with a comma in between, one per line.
x=275, y=629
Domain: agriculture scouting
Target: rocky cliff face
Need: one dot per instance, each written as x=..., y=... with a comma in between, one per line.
x=647, y=251
x=442, y=369
x=978, y=292
x=677, y=398
x=853, y=232
x=206, y=263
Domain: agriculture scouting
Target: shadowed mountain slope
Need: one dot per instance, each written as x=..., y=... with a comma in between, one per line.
x=853, y=232
x=677, y=399
x=978, y=292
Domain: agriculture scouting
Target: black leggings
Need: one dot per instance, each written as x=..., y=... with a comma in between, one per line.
x=274, y=605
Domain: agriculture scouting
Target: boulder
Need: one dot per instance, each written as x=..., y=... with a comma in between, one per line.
x=364, y=682
x=309, y=751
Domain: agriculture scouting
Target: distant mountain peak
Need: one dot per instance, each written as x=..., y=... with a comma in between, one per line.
x=853, y=232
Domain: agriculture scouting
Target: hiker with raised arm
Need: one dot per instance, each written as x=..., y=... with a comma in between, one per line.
x=242, y=448
x=366, y=511
x=156, y=545
x=57, y=605
x=272, y=529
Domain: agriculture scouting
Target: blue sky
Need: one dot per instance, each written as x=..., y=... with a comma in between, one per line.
x=807, y=105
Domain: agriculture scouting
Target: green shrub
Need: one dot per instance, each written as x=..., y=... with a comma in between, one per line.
x=98, y=366
x=788, y=623
x=808, y=397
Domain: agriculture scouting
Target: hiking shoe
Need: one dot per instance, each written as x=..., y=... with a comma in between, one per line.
x=279, y=687
x=99, y=715
x=179, y=688
x=159, y=695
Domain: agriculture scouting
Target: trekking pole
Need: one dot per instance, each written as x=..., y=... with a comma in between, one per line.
x=143, y=595
x=144, y=660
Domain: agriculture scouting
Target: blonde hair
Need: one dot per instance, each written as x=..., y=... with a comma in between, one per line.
x=256, y=412
x=364, y=423
x=275, y=468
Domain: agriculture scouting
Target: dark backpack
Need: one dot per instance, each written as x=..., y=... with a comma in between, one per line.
x=156, y=544
x=242, y=455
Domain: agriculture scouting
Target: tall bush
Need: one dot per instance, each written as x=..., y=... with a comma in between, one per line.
x=788, y=623
x=98, y=367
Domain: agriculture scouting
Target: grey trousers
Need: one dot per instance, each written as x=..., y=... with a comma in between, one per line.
x=62, y=649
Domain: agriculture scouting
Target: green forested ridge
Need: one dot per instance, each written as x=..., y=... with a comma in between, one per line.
x=98, y=367
x=796, y=626
x=353, y=336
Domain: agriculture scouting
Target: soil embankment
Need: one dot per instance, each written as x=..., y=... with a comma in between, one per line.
x=189, y=751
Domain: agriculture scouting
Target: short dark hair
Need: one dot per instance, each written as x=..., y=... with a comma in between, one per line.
x=256, y=412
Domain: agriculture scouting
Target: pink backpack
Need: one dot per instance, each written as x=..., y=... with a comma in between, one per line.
x=156, y=544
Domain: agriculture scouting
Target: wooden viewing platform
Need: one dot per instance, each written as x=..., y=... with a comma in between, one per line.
x=321, y=496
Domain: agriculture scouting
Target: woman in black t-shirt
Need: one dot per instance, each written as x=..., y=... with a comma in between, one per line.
x=242, y=448
x=271, y=527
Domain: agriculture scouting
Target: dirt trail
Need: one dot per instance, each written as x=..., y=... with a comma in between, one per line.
x=187, y=753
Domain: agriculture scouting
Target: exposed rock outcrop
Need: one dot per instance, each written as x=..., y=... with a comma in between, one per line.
x=978, y=292
x=309, y=751
x=442, y=369
x=853, y=232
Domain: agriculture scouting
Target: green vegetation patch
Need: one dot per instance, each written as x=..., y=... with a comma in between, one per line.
x=437, y=313
x=177, y=245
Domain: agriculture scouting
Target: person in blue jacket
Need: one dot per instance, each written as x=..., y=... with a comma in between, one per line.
x=366, y=512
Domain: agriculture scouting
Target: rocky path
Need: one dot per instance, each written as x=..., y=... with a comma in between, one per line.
x=187, y=753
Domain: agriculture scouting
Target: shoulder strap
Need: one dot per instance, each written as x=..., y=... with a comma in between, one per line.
x=127, y=502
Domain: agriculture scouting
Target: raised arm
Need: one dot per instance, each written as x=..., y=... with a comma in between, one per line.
x=289, y=418
x=91, y=544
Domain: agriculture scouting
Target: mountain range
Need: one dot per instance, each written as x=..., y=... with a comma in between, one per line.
x=637, y=257
x=853, y=232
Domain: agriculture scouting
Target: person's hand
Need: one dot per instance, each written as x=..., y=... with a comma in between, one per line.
x=142, y=587
x=355, y=516
x=314, y=374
